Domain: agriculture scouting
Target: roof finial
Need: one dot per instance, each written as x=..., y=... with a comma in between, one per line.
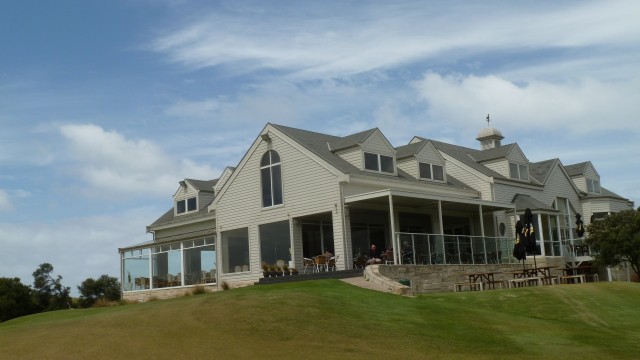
x=488, y=119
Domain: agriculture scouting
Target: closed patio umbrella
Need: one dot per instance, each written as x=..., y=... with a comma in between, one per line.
x=530, y=235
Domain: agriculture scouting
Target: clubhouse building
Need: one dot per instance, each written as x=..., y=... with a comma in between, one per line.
x=296, y=193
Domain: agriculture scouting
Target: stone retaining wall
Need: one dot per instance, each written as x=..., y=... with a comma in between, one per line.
x=440, y=278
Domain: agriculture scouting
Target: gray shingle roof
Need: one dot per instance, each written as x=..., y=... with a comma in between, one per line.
x=409, y=150
x=351, y=140
x=541, y=170
x=203, y=185
x=495, y=153
x=317, y=143
x=576, y=169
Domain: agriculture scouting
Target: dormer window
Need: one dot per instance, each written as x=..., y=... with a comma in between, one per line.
x=593, y=186
x=186, y=205
x=431, y=171
x=378, y=163
x=519, y=171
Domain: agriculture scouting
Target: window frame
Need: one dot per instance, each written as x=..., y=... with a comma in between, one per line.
x=432, y=171
x=593, y=186
x=520, y=168
x=183, y=206
x=271, y=168
x=379, y=163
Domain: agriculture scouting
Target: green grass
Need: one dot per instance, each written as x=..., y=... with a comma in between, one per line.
x=330, y=319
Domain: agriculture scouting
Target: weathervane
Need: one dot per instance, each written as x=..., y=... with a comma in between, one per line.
x=488, y=119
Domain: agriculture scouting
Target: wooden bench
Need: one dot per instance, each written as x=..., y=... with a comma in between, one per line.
x=477, y=286
x=493, y=284
x=527, y=281
x=573, y=278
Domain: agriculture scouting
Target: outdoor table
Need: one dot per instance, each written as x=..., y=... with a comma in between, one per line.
x=482, y=277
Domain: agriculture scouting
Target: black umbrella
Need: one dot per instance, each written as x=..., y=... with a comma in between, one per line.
x=530, y=235
x=579, y=225
x=519, y=248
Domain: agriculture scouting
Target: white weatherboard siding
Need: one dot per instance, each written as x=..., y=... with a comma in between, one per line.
x=500, y=166
x=185, y=193
x=429, y=154
x=376, y=143
x=517, y=156
x=308, y=188
x=409, y=165
x=581, y=183
x=472, y=179
x=353, y=156
x=557, y=185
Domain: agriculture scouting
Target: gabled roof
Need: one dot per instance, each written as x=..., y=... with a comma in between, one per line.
x=540, y=171
x=169, y=217
x=464, y=155
x=351, y=140
x=605, y=193
x=202, y=185
x=577, y=169
x=409, y=150
x=318, y=144
x=494, y=153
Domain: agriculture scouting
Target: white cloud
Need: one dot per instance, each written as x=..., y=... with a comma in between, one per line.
x=5, y=204
x=340, y=40
x=78, y=248
x=109, y=162
x=581, y=106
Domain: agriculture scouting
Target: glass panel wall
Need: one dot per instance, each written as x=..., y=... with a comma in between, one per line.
x=275, y=243
x=183, y=263
x=135, y=269
x=235, y=250
x=166, y=265
x=199, y=258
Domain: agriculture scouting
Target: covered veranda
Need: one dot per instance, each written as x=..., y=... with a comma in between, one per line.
x=432, y=229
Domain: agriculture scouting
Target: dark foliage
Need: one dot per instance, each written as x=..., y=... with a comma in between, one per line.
x=15, y=299
x=616, y=239
x=105, y=288
x=49, y=292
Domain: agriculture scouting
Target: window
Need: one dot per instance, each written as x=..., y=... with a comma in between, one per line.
x=593, y=186
x=379, y=163
x=274, y=242
x=518, y=171
x=187, y=205
x=271, y=176
x=431, y=171
x=235, y=250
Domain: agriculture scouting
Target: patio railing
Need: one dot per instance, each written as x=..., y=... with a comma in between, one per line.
x=431, y=249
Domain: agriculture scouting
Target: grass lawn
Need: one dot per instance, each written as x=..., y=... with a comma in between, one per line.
x=329, y=319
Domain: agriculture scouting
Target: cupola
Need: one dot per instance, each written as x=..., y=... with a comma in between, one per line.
x=489, y=137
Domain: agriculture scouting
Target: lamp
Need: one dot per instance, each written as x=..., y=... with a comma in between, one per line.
x=265, y=137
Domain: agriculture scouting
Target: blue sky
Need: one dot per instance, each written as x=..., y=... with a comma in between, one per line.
x=106, y=105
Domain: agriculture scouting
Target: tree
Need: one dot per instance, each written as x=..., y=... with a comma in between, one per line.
x=616, y=239
x=15, y=299
x=49, y=292
x=105, y=287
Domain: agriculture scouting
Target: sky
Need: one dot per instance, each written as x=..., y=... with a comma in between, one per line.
x=106, y=105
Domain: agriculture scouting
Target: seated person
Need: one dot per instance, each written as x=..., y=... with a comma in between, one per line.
x=374, y=255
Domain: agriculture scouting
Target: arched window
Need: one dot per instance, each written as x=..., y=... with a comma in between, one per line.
x=271, y=176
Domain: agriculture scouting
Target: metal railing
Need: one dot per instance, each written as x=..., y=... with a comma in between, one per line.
x=432, y=249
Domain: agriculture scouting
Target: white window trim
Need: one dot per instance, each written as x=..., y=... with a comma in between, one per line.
x=594, y=183
x=518, y=165
x=379, y=171
x=444, y=173
x=186, y=207
x=270, y=166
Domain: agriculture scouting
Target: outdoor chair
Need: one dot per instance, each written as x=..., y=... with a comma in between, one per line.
x=320, y=262
x=331, y=263
x=307, y=263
